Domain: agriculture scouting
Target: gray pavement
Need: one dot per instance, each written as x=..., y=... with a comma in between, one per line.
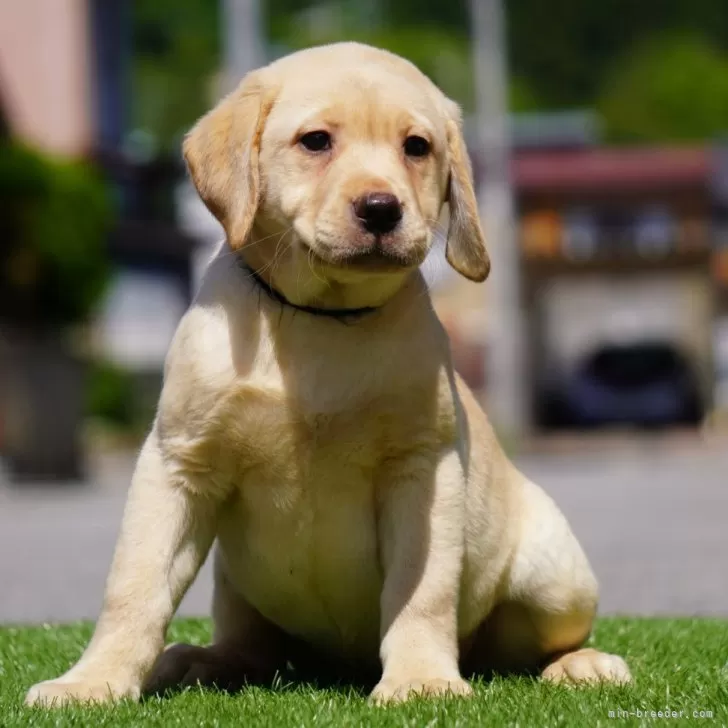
x=651, y=514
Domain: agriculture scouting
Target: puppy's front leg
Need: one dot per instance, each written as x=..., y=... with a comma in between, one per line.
x=421, y=536
x=166, y=532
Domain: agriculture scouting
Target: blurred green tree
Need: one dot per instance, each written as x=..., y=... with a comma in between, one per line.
x=176, y=53
x=567, y=48
x=671, y=88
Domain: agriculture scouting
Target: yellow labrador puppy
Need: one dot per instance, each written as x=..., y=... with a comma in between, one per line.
x=311, y=423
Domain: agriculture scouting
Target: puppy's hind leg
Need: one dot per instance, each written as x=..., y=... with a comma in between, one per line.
x=549, y=605
x=246, y=648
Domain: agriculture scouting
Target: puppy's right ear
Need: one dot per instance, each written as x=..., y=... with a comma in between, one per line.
x=221, y=152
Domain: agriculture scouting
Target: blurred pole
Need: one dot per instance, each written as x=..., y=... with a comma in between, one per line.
x=243, y=47
x=111, y=42
x=507, y=388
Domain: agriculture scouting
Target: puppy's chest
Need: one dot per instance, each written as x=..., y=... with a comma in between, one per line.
x=304, y=553
x=268, y=432
x=300, y=532
x=299, y=529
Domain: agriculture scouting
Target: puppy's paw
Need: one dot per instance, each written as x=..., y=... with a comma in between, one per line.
x=395, y=691
x=56, y=693
x=588, y=666
x=181, y=666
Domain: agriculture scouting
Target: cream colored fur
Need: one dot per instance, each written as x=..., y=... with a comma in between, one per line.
x=364, y=513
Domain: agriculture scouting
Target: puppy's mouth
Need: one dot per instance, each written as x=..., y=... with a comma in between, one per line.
x=376, y=254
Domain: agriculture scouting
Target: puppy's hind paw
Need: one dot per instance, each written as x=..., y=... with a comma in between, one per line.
x=588, y=666
x=181, y=666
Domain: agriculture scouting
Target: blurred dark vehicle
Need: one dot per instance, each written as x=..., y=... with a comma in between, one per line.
x=646, y=384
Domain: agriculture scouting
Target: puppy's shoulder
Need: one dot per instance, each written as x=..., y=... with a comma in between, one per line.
x=215, y=341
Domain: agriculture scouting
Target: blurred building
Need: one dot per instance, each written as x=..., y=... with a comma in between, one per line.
x=619, y=249
x=44, y=59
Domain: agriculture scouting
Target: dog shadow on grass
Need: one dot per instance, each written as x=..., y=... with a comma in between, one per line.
x=318, y=676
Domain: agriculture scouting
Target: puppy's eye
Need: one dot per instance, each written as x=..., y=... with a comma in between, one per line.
x=416, y=146
x=316, y=141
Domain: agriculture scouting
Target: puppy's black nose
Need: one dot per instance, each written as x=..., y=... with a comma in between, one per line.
x=378, y=212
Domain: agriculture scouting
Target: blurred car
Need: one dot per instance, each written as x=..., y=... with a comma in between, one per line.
x=647, y=384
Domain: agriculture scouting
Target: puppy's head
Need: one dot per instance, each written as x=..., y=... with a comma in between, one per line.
x=329, y=168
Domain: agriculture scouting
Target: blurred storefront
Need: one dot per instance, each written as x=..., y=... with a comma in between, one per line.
x=616, y=249
x=624, y=256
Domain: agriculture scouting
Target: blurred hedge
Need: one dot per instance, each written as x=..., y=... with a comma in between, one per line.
x=54, y=217
x=110, y=395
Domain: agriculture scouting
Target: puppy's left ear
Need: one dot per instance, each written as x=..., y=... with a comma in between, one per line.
x=222, y=151
x=466, y=251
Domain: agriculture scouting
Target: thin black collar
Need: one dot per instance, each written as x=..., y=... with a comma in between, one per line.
x=341, y=314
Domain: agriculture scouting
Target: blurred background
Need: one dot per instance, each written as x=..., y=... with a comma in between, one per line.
x=599, y=139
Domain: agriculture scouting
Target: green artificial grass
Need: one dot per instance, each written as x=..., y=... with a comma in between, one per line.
x=680, y=664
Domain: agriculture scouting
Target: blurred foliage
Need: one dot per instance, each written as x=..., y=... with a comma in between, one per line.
x=394, y=13
x=54, y=216
x=110, y=395
x=673, y=88
x=176, y=54
x=567, y=48
x=564, y=53
x=120, y=403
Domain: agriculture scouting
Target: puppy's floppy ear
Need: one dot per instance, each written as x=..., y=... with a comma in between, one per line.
x=221, y=152
x=466, y=250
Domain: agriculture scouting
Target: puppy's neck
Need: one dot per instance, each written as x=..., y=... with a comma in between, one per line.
x=306, y=284
x=342, y=314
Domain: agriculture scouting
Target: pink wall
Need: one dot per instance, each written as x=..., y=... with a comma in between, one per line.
x=44, y=72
